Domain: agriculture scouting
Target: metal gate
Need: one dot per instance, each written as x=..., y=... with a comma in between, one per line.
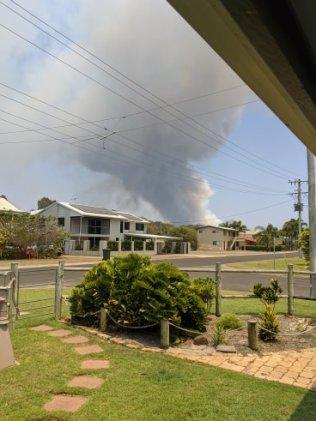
x=36, y=294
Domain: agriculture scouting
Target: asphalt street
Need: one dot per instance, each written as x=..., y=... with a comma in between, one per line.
x=45, y=276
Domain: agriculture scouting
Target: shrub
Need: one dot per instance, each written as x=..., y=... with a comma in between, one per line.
x=269, y=294
x=126, y=245
x=269, y=323
x=150, y=245
x=113, y=245
x=218, y=335
x=303, y=243
x=136, y=293
x=205, y=289
x=138, y=245
x=229, y=321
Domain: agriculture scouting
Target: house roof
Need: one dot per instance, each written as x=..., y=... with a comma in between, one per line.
x=6, y=206
x=97, y=211
x=216, y=226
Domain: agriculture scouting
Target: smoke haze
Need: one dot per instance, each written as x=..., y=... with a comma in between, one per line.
x=153, y=171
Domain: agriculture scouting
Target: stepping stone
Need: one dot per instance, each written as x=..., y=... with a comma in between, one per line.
x=95, y=364
x=66, y=403
x=88, y=349
x=87, y=382
x=79, y=339
x=60, y=333
x=229, y=349
x=42, y=328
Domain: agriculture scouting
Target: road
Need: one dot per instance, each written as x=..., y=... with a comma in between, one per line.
x=45, y=276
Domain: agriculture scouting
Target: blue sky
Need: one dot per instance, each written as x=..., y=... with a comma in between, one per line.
x=151, y=171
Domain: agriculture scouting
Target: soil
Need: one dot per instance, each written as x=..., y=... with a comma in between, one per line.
x=289, y=338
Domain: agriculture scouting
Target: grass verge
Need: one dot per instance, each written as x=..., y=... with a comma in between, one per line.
x=280, y=264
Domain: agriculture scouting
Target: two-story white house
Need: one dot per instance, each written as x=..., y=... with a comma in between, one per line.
x=93, y=223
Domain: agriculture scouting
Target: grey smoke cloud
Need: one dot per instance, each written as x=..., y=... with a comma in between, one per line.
x=151, y=173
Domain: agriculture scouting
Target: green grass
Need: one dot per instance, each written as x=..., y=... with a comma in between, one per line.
x=140, y=386
x=280, y=264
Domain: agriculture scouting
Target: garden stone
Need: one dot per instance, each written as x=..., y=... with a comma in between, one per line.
x=86, y=382
x=201, y=340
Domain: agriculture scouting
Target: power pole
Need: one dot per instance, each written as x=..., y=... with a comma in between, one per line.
x=298, y=206
x=312, y=220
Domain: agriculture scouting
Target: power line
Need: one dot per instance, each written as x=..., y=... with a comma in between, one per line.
x=128, y=157
x=261, y=168
x=97, y=134
x=123, y=75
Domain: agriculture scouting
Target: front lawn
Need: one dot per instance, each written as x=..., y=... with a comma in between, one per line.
x=140, y=386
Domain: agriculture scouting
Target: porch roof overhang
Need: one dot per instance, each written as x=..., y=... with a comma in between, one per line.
x=271, y=45
x=153, y=236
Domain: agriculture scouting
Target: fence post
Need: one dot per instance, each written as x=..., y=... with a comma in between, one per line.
x=218, y=287
x=252, y=335
x=15, y=292
x=290, y=289
x=59, y=290
x=164, y=333
x=103, y=319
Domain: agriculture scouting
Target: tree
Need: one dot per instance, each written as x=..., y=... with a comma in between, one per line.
x=290, y=232
x=239, y=226
x=44, y=202
x=22, y=232
x=187, y=232
x=266, y=237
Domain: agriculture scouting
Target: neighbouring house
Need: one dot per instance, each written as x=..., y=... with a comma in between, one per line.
x=211, y=237
x=90, y=227
x=246, y=238
x=8, y=207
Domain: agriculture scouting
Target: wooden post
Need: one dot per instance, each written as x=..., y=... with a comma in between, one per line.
x=252, y=335
x=103, y=319
x=15, y=292
x=290, y=290
x=218, y=288
x=164, y=333
x=59, y=290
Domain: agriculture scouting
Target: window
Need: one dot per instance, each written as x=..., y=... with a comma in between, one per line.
x=126, y=225
x=121, y=227
x=215, y=243
x=61, y=222
x=140, y=227
x=94, y=226
x=214, y=231
x=200, y=231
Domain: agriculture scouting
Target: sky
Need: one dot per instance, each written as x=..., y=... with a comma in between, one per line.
x=168, y=131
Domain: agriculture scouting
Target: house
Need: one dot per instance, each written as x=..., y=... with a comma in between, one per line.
x=89, y=227
x=8, y=207
x=246, y=238
x=212, y=237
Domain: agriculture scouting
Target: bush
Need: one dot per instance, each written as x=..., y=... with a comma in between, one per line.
x=269, y=323
x=136, y=293
x=229, y=321
x=113, y=245
x=303, y=243
x=150, y=245
x=126, y=245
x=268, y=294
x=138, y=245
x=205, y=289
x=218, y=335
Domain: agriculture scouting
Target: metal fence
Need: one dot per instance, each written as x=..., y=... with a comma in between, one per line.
x=41, y=292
